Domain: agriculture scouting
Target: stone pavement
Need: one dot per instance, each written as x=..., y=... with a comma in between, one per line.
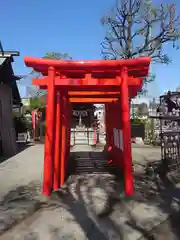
x=21, y=169
x=89, y=208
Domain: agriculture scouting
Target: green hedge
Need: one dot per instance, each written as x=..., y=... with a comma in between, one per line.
x=21, y=125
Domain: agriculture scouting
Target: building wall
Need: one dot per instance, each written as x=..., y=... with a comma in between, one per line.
x=7, y=131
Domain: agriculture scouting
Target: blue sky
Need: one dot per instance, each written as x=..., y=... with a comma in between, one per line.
x=39, y=26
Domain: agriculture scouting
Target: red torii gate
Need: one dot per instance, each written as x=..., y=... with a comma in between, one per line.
x=112, y=82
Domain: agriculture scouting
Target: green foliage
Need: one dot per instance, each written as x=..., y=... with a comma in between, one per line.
x=57, y=56
x=137, y=120
x=35, y=103
x=26, y=110
x=20, y=124
x=149, y=127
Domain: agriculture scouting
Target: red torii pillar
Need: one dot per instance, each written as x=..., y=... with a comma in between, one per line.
x=57, y=162
x=68, y=129
x=56, y=150
x=117, y=118
x=50, y=134
x=64, y=136
x=126, y=132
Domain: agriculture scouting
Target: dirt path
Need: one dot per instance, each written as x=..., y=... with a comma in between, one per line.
x=85, y=210
x=21, y=169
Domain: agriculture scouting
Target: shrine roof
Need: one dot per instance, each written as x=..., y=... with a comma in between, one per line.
x=138, y=67
x=7, y=76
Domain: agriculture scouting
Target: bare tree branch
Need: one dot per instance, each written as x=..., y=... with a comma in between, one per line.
x=136, y=28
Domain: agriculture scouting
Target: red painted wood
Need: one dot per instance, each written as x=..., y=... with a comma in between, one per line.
x=126, y=130
x=63, y=138
x=93, y=100
x=139, y=64
x=69, y=113
x=50, y=135
x=58, y=126
x=122, y=77
x=91, y=82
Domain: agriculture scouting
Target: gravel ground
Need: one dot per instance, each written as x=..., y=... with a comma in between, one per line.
x=89, y=207
x=25, y=167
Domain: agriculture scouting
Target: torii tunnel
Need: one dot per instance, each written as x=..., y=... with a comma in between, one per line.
x=110, y=82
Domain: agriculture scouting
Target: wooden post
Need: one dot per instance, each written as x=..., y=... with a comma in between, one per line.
x=57, y=143
x=50, y=134
x=63, y=138
x=109, y=133
x=109, y=123
x=94, y=136
x=68, y=133
x=126, y=132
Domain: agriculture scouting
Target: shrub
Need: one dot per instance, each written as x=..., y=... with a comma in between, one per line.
x=20, y=124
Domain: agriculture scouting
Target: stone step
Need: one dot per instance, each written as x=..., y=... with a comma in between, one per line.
x=89, y=162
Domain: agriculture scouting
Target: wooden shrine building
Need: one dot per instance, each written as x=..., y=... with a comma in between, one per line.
x=9, y=96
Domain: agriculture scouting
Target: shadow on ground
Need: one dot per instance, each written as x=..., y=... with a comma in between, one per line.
x=23, y=146
x=94, y=203
x=20, y=147
x=158, y=186
x=90, y=162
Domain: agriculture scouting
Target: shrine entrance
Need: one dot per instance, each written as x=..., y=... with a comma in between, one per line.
x=82, y=130
x=111, y=82
x=83, y=136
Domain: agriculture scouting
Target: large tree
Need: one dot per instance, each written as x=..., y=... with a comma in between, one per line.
x=57, y=56
x=139, y=28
